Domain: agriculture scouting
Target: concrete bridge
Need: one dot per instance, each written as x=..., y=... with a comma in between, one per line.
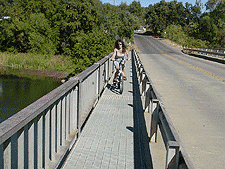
x=86, y=123
x=115, y=135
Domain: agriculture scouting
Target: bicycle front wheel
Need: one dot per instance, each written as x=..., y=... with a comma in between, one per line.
x=121, y=84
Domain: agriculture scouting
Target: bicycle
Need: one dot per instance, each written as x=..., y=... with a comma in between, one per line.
x=120, y=80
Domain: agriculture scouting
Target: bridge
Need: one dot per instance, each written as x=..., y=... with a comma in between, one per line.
x=86, y=123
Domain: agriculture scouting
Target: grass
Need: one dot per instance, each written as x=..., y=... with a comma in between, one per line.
x=35, y=61
x=172, y=43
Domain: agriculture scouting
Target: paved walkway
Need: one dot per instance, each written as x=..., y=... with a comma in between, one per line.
x=111, y=137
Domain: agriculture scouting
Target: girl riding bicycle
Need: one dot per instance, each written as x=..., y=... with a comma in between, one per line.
x=118, y=57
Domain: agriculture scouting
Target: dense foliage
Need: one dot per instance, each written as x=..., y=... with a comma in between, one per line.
x=187, y=24
x=84, y=30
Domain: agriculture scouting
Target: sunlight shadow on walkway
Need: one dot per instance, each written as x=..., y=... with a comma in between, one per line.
x=142, y=154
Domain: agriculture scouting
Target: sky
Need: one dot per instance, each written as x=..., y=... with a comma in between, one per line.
x=145, y=3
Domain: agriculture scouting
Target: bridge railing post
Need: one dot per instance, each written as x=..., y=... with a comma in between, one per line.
x=46, y=138
x=63, y=122
x=140, y=78
x=52, y=132
x=21, y=142
x=73, y=105
x=68, y=114
x=39, y=141
x=154, y=120
x=79, y=109
x=143, y=84
x=7, y=153
x=172, y=155
x=147, y=95
x=58, y=124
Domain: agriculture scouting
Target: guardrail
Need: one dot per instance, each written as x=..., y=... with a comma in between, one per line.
x=177, y=156
x=40, y=135
x=213, y=50
x=218, y=54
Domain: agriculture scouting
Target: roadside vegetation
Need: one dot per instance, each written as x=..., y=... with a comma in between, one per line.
x=72, y=35
x=35, y=61
x=187, y=25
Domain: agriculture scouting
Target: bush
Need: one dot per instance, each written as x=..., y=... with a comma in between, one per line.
x=195, y=43
x=32, y=34
x=175, y=33
x=89, y=48
x=42, y=38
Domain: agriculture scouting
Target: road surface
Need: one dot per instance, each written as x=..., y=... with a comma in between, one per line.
x=193, y=93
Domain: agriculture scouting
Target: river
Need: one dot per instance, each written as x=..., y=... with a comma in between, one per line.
x=17, y=92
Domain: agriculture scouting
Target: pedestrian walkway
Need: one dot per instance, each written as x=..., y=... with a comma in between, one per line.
x=115, y=135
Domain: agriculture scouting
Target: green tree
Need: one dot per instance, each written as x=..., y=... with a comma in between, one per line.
x=196, y=10
x=85, y=30
x=123, y=6
x=162, y=14
x=117, y=22
x=136, y=9
x=208, y=30
x=218, y=18
x=42, y=38
x=89, y=48
x=212, y=4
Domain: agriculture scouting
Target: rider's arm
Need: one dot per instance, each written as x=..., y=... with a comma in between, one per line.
x=114, y=54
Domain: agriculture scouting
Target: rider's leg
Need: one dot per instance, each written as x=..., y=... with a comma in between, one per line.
x=124, y=69
x=116, y=73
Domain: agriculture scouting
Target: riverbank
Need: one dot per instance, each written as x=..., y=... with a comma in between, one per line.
x=8, y=71
x=19, y=88
x=23, y=64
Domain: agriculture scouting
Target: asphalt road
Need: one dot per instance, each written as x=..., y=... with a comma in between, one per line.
x=193, y=93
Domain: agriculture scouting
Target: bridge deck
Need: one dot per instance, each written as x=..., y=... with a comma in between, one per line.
x=115, y=135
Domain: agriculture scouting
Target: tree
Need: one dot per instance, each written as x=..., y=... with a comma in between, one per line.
x=123, y=6
x=135, y=9
x=218, y=18
x=196, y=10
x=208, y=30
x=85, y=30
x=212, y=4
x=117, y=22
x=163, y=14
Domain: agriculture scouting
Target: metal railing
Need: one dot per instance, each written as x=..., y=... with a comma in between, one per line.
x=41, y=134
x=177, y=156
x=211, y=53
x=213, y=50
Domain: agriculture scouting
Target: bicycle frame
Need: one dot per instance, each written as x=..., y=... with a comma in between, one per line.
x=120, y=80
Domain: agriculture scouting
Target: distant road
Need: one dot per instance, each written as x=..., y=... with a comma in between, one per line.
x=193, y=93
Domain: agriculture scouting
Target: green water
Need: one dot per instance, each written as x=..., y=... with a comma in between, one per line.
x=18, y=92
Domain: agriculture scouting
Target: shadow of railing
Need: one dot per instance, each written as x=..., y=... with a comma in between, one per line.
x=142, y=153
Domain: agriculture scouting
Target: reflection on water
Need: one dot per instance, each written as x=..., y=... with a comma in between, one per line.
x=18, y=92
